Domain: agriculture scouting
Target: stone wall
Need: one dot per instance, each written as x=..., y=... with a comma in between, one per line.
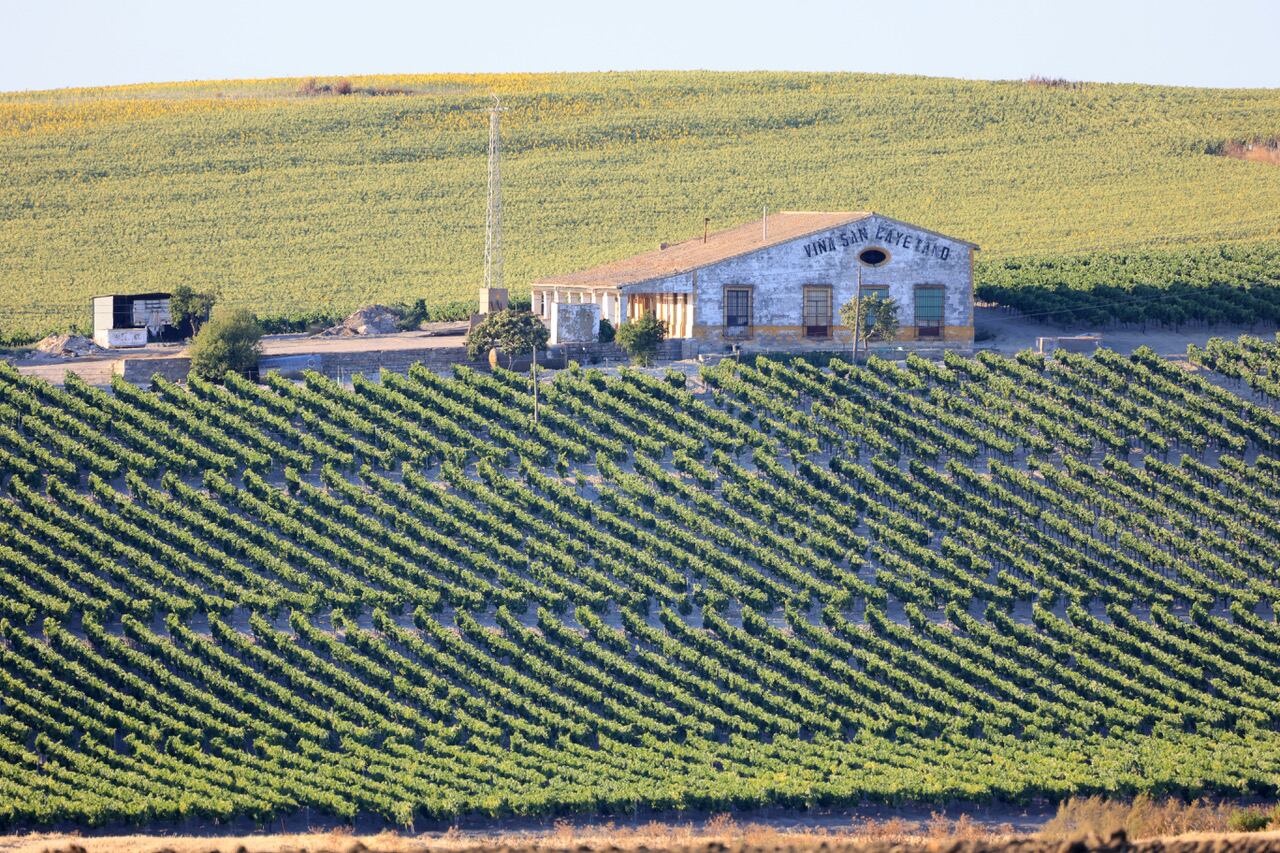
x=574, y=322
x=343, y=365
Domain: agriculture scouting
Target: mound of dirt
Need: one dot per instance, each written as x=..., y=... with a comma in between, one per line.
x=67, y=346
x=369, y=320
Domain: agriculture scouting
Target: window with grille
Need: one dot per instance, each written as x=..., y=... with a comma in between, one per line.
x=817, y=311
x=930, y=310
x=737, y=310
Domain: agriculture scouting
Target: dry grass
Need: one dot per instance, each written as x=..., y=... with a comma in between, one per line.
x=1144, y=817
x=1142, y=825
x=1256, y=151
x=1053, y=82
x=660, y=838
x=721, y=832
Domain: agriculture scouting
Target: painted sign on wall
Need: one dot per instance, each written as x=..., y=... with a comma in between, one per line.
x=882, y=235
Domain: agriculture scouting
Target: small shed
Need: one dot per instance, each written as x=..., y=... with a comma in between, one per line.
x=134, y=320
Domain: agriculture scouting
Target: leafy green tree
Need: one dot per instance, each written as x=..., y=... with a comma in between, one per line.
x=186, y=304
x=512, y=332
x=229, y=343
x=876, y=315
x=640, y=338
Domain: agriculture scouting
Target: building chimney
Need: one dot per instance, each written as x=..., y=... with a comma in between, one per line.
x=706, y=226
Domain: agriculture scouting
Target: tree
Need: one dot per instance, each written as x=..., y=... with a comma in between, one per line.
x=186, y=304
x=512, y=332
x=875, y=315
x=229, y=343
x=640, y=338
x=607, y=331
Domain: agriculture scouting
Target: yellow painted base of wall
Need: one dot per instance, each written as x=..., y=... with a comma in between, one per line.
x=841, y=336
x=950, y=334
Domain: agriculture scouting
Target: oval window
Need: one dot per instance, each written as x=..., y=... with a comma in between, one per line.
x=873, y=257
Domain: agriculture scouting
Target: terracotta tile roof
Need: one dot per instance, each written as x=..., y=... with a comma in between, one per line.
x=692, y=254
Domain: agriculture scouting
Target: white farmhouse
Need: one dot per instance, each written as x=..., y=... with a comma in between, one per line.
x=779, y=282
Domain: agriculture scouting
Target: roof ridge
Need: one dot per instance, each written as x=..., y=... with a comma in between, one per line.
x=712, y=247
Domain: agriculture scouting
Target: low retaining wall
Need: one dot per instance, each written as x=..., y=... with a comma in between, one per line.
x=140, y=370
x=344, y=365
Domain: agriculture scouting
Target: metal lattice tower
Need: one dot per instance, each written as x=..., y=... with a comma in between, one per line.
x=493, y=216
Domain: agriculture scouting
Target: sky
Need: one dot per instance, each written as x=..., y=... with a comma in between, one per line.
x=46, y=44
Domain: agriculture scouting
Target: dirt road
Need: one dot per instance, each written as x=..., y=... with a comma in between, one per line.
x=97, y=369
x=748, y=839
x=1011, y=333
x=996, y=329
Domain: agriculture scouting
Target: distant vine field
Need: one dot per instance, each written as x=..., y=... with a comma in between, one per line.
x=291, y=203
x=1233, y=284
x=769, y=584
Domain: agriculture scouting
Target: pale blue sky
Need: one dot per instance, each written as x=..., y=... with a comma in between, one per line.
x=56, y=43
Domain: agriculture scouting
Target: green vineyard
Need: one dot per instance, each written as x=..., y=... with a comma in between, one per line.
x=302, y=206
x=767, y=584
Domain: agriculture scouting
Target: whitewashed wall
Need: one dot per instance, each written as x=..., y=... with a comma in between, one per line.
x=778, y=274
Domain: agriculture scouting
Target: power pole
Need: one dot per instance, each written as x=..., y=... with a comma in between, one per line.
x=493, y=215
x=857, y=315
x=533, y=376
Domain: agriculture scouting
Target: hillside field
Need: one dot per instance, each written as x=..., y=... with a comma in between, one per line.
x=289, y=202
x=771, y=583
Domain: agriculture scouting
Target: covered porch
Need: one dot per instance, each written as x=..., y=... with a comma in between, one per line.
x=617, y=306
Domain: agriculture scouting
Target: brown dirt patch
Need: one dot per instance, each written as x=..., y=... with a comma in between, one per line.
x=1257, y=151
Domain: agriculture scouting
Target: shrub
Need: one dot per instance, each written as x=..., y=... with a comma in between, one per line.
x=640, y=338
x=229, y=343
x=607, y=332
x=411, y=316
x=1053, y=82
x=1248, y=820
x=312, y=86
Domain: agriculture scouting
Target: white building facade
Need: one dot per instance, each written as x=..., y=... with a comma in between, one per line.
x=780, y=281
